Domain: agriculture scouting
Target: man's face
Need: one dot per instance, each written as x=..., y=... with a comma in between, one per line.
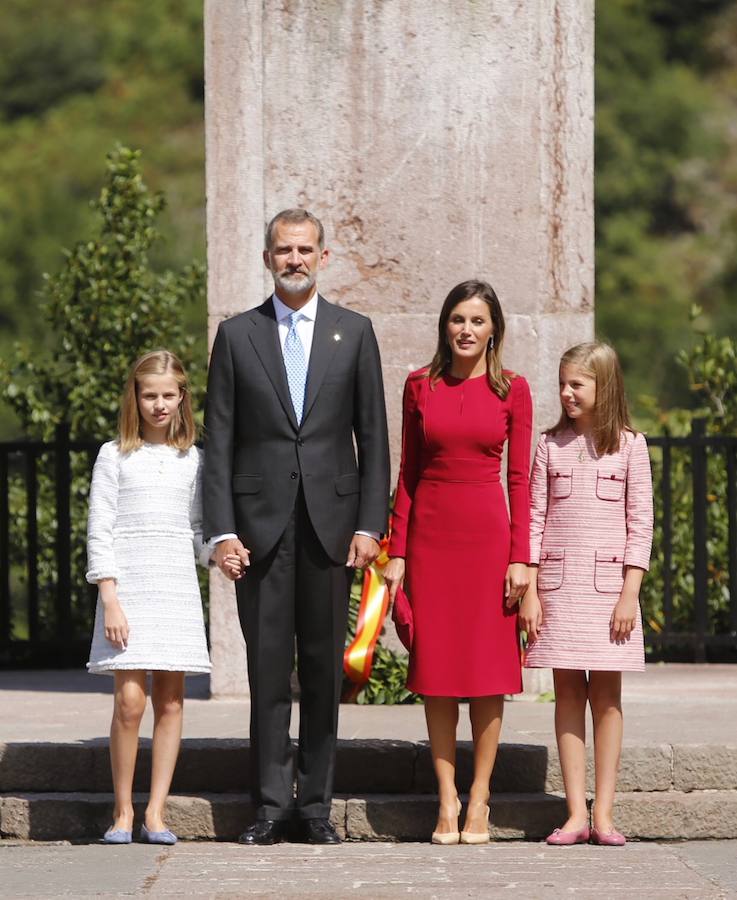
x=294, y=259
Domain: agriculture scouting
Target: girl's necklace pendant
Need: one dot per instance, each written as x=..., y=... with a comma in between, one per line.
x=581, y=449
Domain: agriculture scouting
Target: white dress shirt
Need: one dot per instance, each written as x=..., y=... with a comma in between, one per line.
x=305, y=330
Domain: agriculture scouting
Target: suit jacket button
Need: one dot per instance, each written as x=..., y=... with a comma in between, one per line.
x=294, y=475
x=300, y=442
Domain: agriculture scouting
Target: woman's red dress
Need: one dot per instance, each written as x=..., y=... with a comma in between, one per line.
x=452, y=527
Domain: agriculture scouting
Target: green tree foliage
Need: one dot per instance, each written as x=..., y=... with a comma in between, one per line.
x=711, y=367
x=665, y=229
x=103, y=309
x=75, y=77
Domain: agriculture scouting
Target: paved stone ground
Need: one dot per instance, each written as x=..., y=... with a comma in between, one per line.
x=704, y=870
x=674, y=704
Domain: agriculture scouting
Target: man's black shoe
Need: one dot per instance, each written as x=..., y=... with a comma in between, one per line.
x=319, y=831
x=264, y=832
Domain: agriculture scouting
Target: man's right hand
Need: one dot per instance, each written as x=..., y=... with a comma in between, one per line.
x=231, y=547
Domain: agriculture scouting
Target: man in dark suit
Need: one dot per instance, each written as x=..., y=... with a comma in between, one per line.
x=292, y=385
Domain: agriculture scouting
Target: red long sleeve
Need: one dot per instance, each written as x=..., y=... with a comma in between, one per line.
x=518, y=469
x=409, y=466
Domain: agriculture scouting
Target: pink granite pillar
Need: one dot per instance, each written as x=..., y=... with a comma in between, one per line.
x=437, y=142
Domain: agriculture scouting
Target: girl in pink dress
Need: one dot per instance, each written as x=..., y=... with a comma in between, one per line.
x=591, y=523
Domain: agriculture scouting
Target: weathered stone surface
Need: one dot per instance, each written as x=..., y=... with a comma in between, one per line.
x=659, y=815
x=229, y=677
x=363, y=766
x=423, y=175
x=528, y=816
x=390, y=818
x=642, y=768
x=396, y=818
x=704, y=766
x=519, y=768
x=366, y=766
x=47, y=767
x=673, y=815
x=73, y=816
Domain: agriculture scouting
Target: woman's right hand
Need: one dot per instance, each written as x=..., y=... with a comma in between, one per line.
x=394, y=576
x=116, y=624
x=531, y=615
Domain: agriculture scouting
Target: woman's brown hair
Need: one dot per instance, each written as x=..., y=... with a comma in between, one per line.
x=441, y=362
x=611, y=416
x=182, y=431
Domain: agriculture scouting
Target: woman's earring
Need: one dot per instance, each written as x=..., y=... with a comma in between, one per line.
x=491, y=343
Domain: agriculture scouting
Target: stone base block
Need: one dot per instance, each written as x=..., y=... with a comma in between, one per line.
x=705, y=767
x=660, y=815
x=80, y=816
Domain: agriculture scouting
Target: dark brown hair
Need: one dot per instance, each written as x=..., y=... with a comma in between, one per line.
x=441, y=362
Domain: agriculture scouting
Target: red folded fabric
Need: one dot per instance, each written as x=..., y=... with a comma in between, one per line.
x=403, y=618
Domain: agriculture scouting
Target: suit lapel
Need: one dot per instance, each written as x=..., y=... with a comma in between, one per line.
x=264, y=336
x=324, y=345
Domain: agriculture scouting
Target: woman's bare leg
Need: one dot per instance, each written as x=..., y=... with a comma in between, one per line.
x=486, y=724
x=441, y=714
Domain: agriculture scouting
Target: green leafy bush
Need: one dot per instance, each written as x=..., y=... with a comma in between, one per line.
x=103, y=309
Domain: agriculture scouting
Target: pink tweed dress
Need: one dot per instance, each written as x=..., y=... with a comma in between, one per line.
x=589, y=518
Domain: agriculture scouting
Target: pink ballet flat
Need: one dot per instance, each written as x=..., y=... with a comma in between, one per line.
x=611, y=838
x=568, y=838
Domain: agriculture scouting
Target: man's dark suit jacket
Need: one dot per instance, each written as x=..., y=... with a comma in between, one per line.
x=256, y=455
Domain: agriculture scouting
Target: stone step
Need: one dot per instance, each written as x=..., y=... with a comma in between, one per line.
x=363, y=767
x=657, y=815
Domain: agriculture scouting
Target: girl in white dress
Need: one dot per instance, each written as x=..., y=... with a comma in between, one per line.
x=143, y=534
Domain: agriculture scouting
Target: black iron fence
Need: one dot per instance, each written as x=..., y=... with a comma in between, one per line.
x=46, y=608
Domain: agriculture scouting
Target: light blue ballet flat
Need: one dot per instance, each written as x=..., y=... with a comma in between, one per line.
x=157, y=837
x=117, y=836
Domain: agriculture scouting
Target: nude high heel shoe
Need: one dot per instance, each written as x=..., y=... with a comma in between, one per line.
x=448, y=837
x=477, y=837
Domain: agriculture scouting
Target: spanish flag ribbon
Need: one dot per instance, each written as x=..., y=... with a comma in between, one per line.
x=359, y=654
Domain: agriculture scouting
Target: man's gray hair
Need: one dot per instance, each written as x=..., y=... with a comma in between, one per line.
x=294, y=217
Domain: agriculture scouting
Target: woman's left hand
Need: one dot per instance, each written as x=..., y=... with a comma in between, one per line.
x=516, y=582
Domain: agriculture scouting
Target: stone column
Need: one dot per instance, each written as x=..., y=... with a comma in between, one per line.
x=437, y=142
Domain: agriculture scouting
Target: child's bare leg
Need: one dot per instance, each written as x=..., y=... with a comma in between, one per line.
x=129, y=704
x=605, y=697
x=167, y=698
x=441, y=714
x=486, y=724
x=571, y=693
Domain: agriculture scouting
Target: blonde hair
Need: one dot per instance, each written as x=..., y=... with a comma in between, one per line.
x=610, y=416
x=182, y=431
x=468, y=290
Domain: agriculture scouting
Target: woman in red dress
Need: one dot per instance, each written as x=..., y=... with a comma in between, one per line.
x=466, y=563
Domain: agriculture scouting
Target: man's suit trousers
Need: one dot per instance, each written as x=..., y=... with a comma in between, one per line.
x=295, y=592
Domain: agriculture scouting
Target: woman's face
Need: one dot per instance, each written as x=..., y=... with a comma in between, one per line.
x=469, y=329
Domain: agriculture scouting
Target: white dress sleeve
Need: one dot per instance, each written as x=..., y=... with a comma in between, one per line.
x=103, y=510
x=202, y=549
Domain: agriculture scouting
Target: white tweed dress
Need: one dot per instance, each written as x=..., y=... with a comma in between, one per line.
x=144, y=530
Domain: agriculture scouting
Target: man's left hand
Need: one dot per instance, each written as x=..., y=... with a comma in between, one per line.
x=362, y=552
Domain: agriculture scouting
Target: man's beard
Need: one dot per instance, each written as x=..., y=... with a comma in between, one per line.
x=291, y=285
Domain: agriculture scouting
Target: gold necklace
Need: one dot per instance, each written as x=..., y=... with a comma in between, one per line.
x=581, y=449
x=583, y=453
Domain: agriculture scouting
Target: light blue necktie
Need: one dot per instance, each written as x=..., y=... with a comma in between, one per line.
x=296, y=365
